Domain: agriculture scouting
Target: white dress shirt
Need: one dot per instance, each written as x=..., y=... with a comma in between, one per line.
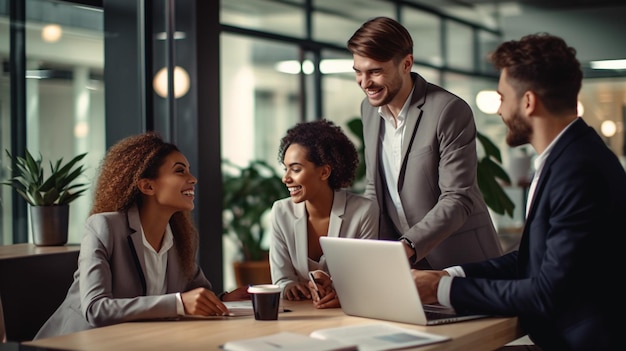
x=156, y=267
x=392, y=139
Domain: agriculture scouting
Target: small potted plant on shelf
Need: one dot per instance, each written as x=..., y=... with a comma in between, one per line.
x=48, y=197
x=249, y=193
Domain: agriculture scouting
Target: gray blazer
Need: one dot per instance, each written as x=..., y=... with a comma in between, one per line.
x=352, y=216
x=449, y=221
x=109, y=285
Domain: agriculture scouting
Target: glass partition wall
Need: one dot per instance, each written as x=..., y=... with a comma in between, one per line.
x=63, y=52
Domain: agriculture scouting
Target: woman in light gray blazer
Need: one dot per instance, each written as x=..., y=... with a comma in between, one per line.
x=137, y=255
x=319, y=162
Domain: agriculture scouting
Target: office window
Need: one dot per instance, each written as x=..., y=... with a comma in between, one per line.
x=425, y=29
x=487, y=43
x=64, y=96
x=341, y=94
x=335, y=21
x=260, y=86
x=280, y=17
x=459, y=46
x=260, y=100
x=5, y=125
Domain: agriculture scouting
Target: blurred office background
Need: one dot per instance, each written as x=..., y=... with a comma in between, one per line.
x=80, y=75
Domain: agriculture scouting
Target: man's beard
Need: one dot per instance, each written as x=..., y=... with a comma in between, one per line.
x=519, y=130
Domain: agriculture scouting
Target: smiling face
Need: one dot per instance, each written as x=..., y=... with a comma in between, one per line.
x=382, y=81
x=174, y=187
x=303, y=178
x=519, y=129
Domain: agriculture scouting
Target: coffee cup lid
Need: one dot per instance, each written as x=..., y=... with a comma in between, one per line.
x=263, y=289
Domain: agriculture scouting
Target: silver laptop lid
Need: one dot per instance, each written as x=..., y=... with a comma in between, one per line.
x=373, y=279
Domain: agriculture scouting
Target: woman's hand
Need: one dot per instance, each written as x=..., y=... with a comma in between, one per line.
x=203, y=302
x=241, y=293
x=322, y=290
x=296, y=291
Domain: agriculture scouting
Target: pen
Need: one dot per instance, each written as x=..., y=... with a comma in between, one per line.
x=312, y=278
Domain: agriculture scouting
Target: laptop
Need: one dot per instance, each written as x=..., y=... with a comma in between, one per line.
x=373, y=279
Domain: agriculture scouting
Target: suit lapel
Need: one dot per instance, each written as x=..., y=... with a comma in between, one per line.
x=412, y=120
x=135, y=244
x=572, y=133
x=300, y=237
x=336, y=213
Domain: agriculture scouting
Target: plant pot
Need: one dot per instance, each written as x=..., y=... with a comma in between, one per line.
x=252, y=272
x=49, y=224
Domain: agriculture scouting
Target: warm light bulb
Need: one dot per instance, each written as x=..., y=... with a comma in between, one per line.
x=181, y=82
x=608, y=128
x=488, y=101
x=51, y=33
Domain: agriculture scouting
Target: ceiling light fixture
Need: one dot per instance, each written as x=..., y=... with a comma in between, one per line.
x=177, y=35
x=328, y=66
x=608, y=64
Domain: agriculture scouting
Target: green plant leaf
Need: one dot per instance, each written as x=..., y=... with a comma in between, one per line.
x=249, y=193
x=29, y=182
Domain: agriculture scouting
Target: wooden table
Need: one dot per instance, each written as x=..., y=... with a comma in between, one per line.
x=475, y=335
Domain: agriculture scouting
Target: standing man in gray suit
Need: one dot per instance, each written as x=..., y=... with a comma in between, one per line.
x=420, y=154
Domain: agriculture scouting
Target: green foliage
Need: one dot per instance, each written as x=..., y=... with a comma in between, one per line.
x=356, y=127
x=57, y=189
x=488, y=171
x=249, y=193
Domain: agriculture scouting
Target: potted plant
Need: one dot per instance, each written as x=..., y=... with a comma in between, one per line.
x=249, y=193
x=48, y=197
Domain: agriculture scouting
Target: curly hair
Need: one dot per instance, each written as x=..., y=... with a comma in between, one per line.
x=544, y=64
x=131, y=159
x=326, y=144
x=381, y=39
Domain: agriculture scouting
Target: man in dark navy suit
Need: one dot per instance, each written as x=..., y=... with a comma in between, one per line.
x=562, y=282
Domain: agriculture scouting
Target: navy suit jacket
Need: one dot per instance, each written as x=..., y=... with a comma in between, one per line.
x=561, y=281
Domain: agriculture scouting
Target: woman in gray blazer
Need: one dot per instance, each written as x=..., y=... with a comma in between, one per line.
x=137, y=255
x=319, y=161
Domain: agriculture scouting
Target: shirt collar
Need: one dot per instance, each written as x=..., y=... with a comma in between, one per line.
x=168, y=240
x=385, y=113
x=541, y=158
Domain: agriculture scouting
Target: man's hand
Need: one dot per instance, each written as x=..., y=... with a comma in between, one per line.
x=427, y=282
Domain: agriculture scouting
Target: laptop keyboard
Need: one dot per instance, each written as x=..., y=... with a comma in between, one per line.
x=436, y=315
x=438, y=312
